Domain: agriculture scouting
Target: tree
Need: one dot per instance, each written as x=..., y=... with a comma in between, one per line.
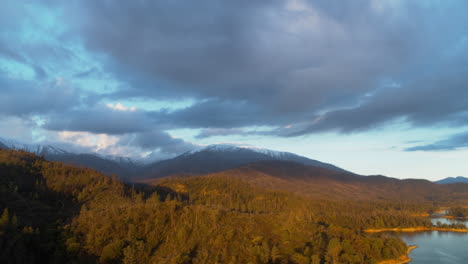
x=112, y=252
x=275, y=253
x=4, y=219
x=134, y=253
x=334, y=249
x=315, y=259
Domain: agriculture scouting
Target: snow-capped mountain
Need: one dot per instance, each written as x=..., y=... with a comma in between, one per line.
x=220, y=157
x=269, y=154
x=112, y=165
x=212, y=158
x=232, y=147
x=34, y=148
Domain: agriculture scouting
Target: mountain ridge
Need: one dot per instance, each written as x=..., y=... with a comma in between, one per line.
x=449, y=180
x=215, y=158
x=122, y=167
x=209, y=159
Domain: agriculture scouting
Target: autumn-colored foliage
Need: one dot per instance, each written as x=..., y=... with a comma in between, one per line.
x=55, y=213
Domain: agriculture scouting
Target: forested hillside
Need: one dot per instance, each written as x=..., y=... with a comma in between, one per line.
x=321, y=183
x=55, y=213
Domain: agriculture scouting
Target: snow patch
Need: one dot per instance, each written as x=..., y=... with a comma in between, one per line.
x=40, y=149
x=236, y=147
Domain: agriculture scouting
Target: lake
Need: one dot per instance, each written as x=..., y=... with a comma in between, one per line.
x=438, y=247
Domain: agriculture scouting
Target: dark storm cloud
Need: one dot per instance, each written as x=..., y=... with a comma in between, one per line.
x=454, y=142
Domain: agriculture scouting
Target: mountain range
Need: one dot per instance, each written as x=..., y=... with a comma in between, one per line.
x=213, y=158
x=263, y=168
x=449, y=180
x=284, y=170
x=122, y=167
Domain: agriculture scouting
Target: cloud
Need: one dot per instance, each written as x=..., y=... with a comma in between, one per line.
x=277, y=59
x=97, y=142
x=454, y=142
x=297, y=66
x=438, y=98
x=92, y=72
x=24, y=97
x=158, y=141
x=146, y=146
x=16, y=128
x=221, y=114
x=211, y=132
x=261, y=52
x=113, y=120
x=121, y=107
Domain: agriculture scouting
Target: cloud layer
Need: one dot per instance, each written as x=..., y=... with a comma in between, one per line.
x=296, y=66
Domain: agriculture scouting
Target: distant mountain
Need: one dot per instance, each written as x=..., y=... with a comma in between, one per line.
x=222, y=157
x=122, y=167
x=213, y=158
x=448, y=180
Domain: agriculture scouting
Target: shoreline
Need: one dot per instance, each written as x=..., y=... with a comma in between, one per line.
x=404, y=259
x=417, y=229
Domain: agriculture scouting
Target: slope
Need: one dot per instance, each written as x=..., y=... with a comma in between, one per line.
x=321, y=183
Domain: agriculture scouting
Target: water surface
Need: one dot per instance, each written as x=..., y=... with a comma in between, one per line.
x=436, y=247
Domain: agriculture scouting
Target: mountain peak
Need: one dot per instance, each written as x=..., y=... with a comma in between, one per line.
x=223, y=147
x=227, y=147
x=214, y=158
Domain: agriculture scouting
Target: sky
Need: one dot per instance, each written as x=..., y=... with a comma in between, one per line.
x=372, y=86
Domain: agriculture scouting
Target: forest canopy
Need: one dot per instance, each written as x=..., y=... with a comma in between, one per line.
x=56, y=213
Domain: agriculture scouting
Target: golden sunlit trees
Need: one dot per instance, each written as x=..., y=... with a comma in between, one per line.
x=74, y=215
